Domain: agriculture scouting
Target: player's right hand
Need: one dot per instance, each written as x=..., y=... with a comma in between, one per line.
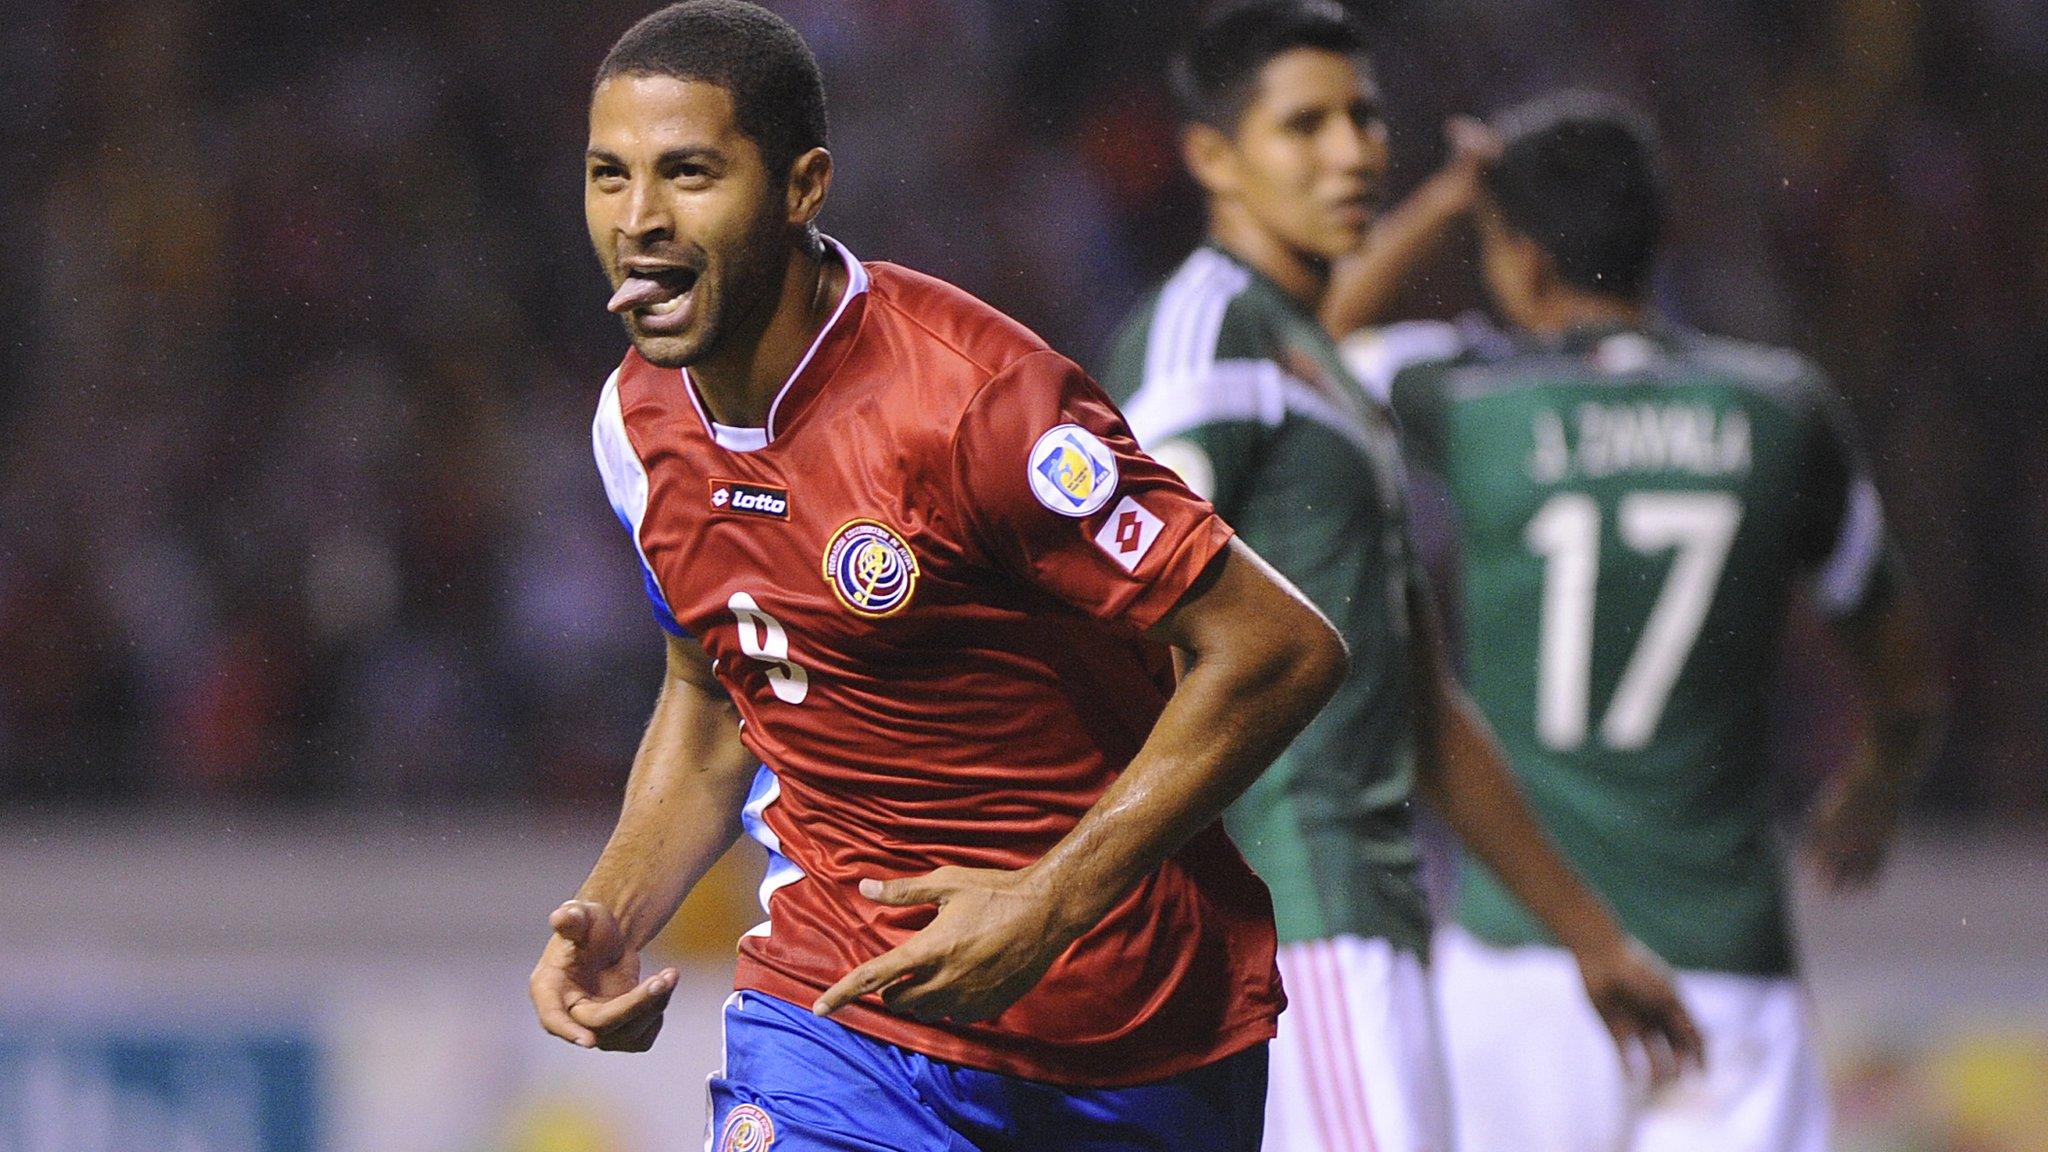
x=1473, y=143
x=587, y=987
x=1852, y=831
x=1636, y=996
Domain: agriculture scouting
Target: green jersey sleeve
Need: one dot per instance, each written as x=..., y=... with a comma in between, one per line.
x=1197, y=381
x=1403, y=366
x=1842, y=533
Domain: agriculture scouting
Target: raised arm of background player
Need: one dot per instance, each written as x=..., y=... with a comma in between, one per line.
x=1859, y=808
x=1363, y=286
x=1462, y=772
x=1261, y=661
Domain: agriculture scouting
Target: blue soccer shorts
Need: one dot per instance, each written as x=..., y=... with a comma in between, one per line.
x=795, y=1082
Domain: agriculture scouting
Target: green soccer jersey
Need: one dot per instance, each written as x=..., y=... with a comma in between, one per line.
x=1635, y=509
x=1229, y=382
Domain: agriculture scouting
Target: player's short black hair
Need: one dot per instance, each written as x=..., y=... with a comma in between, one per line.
x=778, y=96
x=1578, y=174
x=1216, y=72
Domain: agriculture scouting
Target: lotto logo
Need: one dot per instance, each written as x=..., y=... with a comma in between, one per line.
x=1128, y=533
x=752, y=499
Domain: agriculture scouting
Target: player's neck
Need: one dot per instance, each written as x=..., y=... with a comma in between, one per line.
x=1564, y=310
x=739, y=382
x=1303, y=277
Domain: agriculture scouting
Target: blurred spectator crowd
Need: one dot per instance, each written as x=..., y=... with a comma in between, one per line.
x=302, y=335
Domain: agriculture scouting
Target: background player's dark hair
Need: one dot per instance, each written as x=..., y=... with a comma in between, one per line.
x=777, y=95
x=1578, y=174
x=1216, y=72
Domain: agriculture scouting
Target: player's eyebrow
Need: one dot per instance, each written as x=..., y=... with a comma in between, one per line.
x=702, y=153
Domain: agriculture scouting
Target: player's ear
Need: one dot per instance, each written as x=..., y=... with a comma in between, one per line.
x=1541, y=266
x=1211, y=157
x=810, y=179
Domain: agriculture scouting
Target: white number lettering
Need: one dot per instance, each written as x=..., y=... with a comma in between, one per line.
x=763, y=638
x=1566, y=533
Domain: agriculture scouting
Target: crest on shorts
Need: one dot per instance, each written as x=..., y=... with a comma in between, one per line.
x=870, y=568
x=1072, y=472
x=747, y=1129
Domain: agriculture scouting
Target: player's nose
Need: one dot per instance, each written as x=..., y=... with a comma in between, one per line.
x=1358, y=148
x=645, y=214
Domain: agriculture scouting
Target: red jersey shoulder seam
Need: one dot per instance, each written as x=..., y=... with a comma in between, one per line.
x=966, y=509
x=888, y=297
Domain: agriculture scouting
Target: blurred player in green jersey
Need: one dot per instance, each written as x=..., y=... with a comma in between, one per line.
x=1226, y=375
x=1638, y=505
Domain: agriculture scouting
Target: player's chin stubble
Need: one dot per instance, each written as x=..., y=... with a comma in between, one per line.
x=677, y=351
x=749, y=281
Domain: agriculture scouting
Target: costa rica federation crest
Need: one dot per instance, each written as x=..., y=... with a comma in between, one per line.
x=747, y=1129
x=1072, y=472
x=870, y=568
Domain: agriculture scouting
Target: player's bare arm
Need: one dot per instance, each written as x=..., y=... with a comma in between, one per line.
x=1464, y=774
x=1260, y=662
x=1363, y=285
x=681, y=813
x=1901, y=684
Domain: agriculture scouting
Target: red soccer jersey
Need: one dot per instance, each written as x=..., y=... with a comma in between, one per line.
x=923, y=584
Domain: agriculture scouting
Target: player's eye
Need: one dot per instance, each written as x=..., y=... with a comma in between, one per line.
x=1303, y=123
x=692, y=173
x=606, y=173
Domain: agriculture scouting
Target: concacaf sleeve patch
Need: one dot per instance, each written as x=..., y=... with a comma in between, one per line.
x=1072, y=472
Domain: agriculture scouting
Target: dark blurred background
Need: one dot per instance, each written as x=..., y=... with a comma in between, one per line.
x=322, y=657
x=302, y=335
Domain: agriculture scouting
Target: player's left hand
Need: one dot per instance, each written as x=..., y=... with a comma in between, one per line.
x=1852, y=833
x=1636, y=997
x=992, y=939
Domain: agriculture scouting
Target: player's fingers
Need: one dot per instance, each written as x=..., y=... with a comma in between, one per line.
x=1640, y=1052
x=636, y=1038
x=1664, y=1063
x=921, y=997
x=930, y=888
x=571, y=921
x=646, y=998
x=1688, y=1044
x=1471, y=138
x=1620, y=1028
x=872, y=976
x=549, y=1005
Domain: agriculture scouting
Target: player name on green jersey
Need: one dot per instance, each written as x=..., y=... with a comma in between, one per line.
x=1636, y=509
x=1598, y=440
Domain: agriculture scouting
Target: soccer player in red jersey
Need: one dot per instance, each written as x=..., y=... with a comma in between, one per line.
x=922, y=592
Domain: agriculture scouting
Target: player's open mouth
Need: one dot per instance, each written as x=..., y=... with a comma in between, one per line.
x=658, y=298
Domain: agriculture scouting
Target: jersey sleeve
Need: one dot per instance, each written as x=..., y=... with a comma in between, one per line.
x=625, y=486
x=1842, y=532
x=1403, y=366
x=1209, y=422
x=1053, y=490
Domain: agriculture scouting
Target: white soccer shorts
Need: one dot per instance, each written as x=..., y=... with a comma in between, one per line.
x=1357, y=1065
x=1532, y=1069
